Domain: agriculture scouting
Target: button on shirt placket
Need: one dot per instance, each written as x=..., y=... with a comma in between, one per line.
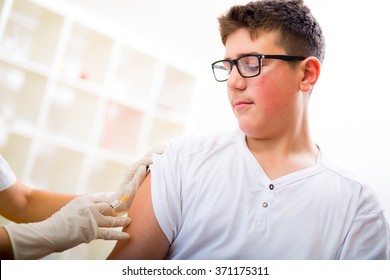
x=271, y=187
x=266, y=202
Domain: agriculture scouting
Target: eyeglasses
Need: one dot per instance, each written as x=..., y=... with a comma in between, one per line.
x=248, y=65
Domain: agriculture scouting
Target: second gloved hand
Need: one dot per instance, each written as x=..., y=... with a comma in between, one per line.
x=132, y=180
x=82, y=220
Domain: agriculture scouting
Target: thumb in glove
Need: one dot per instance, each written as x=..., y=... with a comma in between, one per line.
x=131, y=181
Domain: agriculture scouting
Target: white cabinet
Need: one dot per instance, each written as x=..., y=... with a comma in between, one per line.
x=80, y=99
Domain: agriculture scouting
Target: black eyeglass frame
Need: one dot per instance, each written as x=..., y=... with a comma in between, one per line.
x=260, y=57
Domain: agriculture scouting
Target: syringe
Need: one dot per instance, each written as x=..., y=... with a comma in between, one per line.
x=118, y=202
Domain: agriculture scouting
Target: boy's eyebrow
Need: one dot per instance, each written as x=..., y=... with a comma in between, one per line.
x=241, y=54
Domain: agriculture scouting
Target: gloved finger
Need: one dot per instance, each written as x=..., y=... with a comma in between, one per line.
x=105, y=209
x=158, y=149
x=130, y=182
x=130, y=189
x=94, y=199
x=138, y=178
x=126, y=179
x=108, y=221
x=86, y=199
x=146, y=161
x=107, y=234
x=133, y=168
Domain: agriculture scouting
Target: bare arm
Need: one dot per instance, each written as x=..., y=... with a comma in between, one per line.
x=147, y=240
x=6, y=252
x=22, y=204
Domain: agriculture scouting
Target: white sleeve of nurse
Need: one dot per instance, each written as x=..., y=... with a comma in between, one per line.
x=7, y=176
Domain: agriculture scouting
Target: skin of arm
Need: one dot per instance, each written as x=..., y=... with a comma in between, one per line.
x=6, y=252
x=147, y=240
x=22, y=204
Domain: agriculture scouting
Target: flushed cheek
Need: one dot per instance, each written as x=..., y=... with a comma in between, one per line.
x=268, y=98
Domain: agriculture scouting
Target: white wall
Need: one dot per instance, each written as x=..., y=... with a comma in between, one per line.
x=350, y=106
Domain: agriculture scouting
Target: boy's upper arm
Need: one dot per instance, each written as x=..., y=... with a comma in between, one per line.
x=147, y=240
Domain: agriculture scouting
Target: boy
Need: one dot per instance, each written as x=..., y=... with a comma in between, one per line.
x=265, y=191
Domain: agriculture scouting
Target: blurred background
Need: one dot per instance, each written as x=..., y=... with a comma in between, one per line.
x=86, y=87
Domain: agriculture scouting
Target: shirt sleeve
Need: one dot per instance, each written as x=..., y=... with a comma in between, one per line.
x=7, y=176
x=368, y=237
x=166, y=193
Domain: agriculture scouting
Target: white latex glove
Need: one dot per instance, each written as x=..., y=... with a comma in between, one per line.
x=77, y=222
x=131, y=181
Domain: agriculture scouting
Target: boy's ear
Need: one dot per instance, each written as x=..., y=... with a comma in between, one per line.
x=311, y=72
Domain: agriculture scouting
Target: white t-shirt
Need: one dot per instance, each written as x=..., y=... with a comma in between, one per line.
x=7, y=177
x=213, y=200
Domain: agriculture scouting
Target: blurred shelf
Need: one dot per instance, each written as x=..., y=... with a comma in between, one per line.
x=22, y=93
x=86, y=55
x=177, y=91
x=134, y=76
x=15, y=151
x=25, y=64
x=121, y=128
x=105, y=173
x=31, y=32
x=163, y=131
x=71, y=113
x=56, y=167
x=81, y=99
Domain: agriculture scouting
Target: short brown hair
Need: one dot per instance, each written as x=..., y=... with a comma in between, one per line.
x=299, y=32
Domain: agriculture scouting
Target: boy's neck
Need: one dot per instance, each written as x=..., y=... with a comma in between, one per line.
x=284, y=155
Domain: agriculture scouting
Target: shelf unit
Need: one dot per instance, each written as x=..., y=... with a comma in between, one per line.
x=80, y=98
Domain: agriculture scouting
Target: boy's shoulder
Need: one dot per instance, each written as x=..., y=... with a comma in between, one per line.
x=202, y=142
x=355, y=183
x=341, y=171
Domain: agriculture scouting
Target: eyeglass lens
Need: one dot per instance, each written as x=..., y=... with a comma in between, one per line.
x=248, y=66
x=222, y=70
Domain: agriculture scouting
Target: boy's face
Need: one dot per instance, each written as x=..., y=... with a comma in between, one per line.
x=267, y=105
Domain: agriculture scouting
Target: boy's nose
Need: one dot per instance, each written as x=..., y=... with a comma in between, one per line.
x=235, y=80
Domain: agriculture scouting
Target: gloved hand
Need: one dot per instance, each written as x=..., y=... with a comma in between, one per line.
x=77, y=222
x=131, y=181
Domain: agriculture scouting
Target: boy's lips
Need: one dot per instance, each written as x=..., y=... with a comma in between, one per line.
x=239, y=104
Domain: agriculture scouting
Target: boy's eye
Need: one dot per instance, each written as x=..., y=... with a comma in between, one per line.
x=251, y=67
